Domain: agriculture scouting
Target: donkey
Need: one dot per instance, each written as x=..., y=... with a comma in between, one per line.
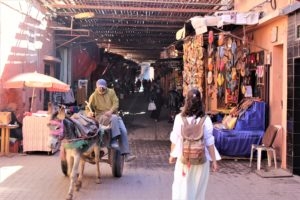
x=75, y=151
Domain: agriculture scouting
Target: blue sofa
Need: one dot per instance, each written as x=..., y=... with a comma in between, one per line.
x=249, y=129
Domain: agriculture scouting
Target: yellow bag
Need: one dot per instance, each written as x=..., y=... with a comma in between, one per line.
x=231, y=123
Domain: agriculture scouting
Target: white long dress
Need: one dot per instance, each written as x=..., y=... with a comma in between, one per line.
x=190, y=183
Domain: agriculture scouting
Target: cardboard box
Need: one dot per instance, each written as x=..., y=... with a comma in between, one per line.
x=5, y=117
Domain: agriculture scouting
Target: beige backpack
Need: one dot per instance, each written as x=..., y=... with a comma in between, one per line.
x=193, y=148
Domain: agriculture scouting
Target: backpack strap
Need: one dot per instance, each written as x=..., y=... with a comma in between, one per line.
x=202, y=120
x=185, y=122
x=201, y=123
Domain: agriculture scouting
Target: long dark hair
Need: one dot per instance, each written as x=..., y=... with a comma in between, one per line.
x=193, y=104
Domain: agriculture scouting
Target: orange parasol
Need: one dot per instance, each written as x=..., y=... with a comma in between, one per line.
x=37, y=80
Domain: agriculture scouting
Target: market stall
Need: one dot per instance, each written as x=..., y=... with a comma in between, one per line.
x=221, y=65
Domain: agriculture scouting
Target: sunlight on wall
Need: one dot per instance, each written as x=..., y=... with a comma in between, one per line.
x=6, y=172
x=7, y=38
x=22, y=27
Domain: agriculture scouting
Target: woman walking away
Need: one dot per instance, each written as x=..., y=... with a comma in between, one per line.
x=190, y=179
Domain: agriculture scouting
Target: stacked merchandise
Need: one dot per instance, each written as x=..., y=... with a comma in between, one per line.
x=193, y=65
x=210, y=64
x=223, y=66
x=227, y=67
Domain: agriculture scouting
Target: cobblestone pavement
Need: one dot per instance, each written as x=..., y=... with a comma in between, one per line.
x=38, y=176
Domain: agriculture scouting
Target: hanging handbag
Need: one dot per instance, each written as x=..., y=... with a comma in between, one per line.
x=151, y=106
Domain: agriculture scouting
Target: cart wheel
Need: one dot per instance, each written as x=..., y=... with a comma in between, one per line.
x=117, y=162
x=64, y=167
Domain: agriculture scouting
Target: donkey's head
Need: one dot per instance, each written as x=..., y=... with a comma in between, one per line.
x=55, y=124
x=56, y=121
x=61, y=126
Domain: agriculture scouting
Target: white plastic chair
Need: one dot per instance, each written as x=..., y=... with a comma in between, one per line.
x=267, y=145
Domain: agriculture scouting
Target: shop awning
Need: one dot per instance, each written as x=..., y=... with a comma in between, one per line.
x=200, y=23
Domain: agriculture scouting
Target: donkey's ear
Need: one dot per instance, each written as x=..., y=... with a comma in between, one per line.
x=61, y=113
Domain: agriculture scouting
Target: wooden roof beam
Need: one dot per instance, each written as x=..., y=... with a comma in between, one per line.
x=214, y=3
x=133, y=31
x=165, y=26
x=130, y=17
x=135, y=8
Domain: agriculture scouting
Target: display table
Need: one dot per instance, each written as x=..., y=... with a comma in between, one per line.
x=249, y=129
x=36, y=134
x=236, y=142
x=5, y=134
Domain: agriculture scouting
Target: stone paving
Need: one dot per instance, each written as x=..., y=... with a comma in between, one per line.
x=38, y=176
x=234, y=180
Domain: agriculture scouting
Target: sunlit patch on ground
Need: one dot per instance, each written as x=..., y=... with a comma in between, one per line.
x=7, y=171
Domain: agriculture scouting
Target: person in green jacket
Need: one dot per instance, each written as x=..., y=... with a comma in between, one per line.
x=104, y=104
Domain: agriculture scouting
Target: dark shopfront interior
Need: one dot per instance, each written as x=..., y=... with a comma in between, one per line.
x=293, y=95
